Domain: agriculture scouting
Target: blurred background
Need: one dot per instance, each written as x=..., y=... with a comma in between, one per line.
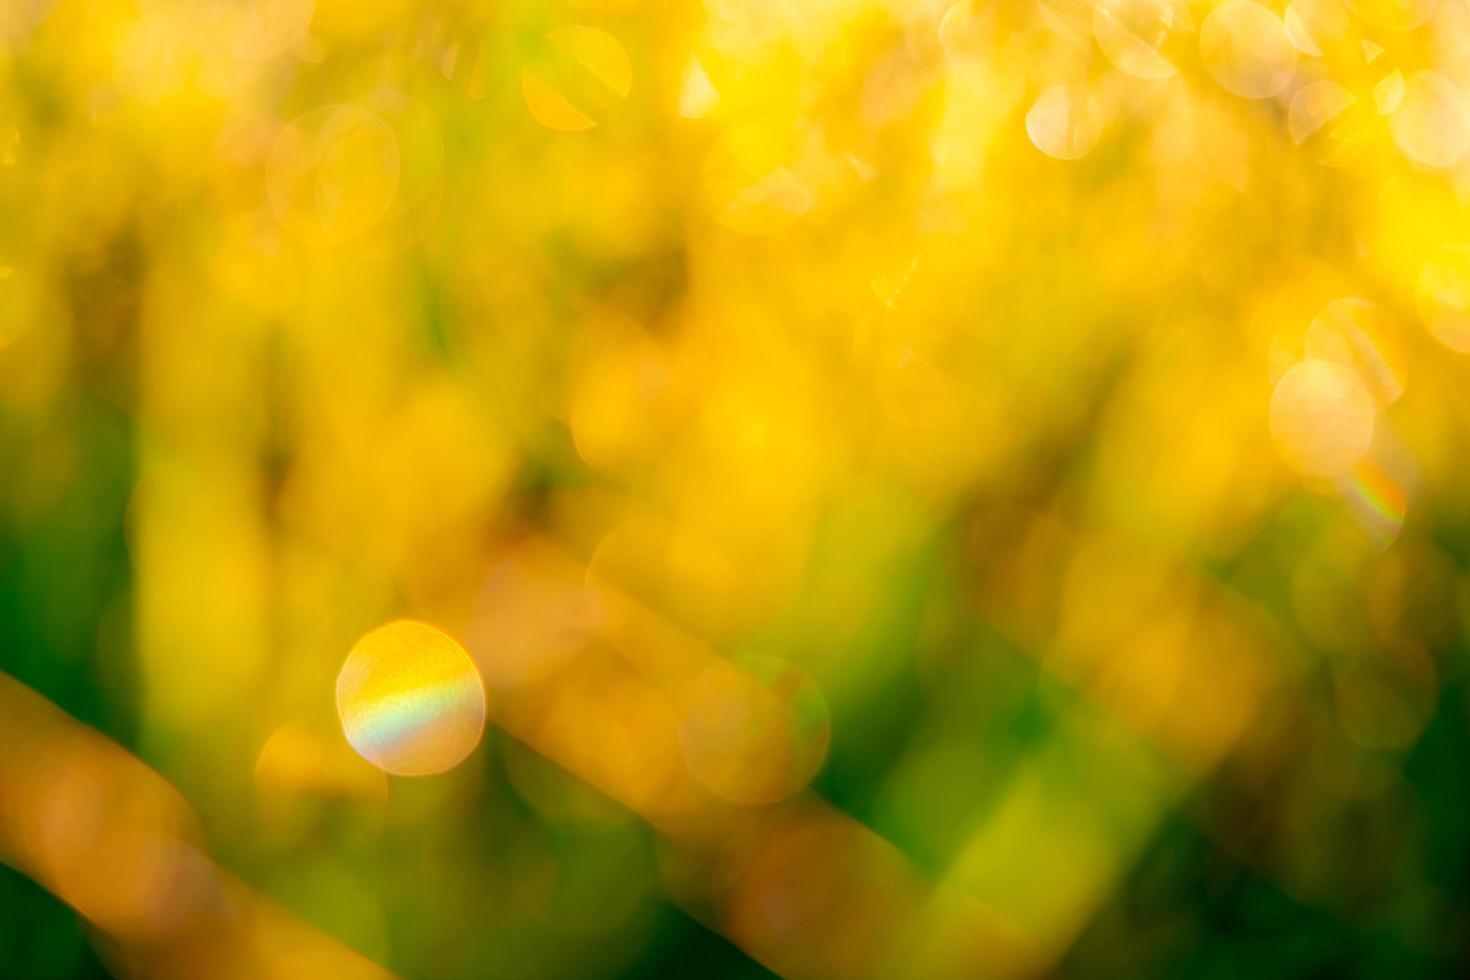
x=926, y=489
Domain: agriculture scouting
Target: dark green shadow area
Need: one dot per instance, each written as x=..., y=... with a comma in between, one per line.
x=40, y=938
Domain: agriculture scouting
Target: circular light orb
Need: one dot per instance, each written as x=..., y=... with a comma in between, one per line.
x=1430, y=124
x=332, y=173
x=410, y=699
x=298, y=766
x=1246, y=49
x=1132, y=32
x=755, y=730
x=1362, y=337
x=1378, y=499
x=1444, y=296
x=1322, y=118
x=1299, y=29
x=1388, y=94
x=1062, y=123
x=1321, y=418
x=1316, y=26
x=1384, y=700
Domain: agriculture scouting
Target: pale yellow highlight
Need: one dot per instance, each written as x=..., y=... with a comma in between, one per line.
x=1321, y=418
x=1246, y=49
x=1132, y=33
